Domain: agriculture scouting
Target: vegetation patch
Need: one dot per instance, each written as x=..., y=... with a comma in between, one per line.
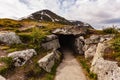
x=9, y=23
x=86, y=65
x=113, y=52
x=8, y=65
x=105, y=31
x=110, y=30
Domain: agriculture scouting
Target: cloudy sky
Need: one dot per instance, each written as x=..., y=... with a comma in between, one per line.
x=98, y=13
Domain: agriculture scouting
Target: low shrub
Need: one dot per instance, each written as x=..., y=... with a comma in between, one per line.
x=26, y=37
x=110, y=30
x=38, y=36
x=3, y=70
x=116, y=44
x=33, y=38
x=93, y=76
x=116, y=47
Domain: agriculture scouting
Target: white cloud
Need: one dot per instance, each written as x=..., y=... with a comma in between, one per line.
x=91, y=11
x=12, y=8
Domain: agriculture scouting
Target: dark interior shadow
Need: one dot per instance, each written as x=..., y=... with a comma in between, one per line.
x=66, y=42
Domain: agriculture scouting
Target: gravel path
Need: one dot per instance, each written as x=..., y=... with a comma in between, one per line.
x=69, y=69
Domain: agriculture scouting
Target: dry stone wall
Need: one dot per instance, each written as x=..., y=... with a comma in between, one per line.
x=51, y=42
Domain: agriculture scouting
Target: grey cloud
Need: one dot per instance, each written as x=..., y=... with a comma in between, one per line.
x=93, y=0
x=116, y=20
x=68, y=5
x=24, y=1
x=103, y=15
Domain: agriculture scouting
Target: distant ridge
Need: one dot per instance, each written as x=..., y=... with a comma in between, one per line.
x=47, y=15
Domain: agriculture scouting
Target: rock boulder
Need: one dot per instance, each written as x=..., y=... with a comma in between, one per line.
x=51, y=42
x=105, y=70
x=90, y=50
x=91, y=44
x=49, y=60
x=2, y=78
x=21, y=57
x=79, y=43
x=9, y=37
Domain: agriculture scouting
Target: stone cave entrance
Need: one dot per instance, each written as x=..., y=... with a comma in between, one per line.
x=67, y=42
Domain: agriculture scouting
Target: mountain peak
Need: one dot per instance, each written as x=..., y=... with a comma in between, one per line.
x=47, y=15
x=45, y=10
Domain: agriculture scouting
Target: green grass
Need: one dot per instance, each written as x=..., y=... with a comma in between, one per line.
x=26, y=37
x=115, y=45
x=16, y=47
x=86, y=65
x=32, y=39
x=11, y=50
x=38, y=37
x=9, y=23
x=4, y=47
x=8, y=65
x=7, y=60
x=35, y=34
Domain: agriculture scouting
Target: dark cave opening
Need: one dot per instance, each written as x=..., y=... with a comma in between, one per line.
x=67, y=42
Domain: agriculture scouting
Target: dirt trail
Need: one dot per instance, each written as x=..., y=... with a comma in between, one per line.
x=69, y=69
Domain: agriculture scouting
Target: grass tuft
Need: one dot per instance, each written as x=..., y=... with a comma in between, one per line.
x=8, y=65
x=86, y=65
